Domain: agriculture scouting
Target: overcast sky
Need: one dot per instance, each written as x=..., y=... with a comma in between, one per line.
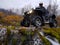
x=7, y=4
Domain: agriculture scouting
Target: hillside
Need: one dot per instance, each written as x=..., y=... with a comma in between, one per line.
x=44, y=36
x=10, y=19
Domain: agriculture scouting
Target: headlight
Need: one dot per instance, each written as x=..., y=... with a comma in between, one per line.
x=30, y=11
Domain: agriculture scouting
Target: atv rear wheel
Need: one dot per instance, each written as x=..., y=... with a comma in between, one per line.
x=53, y=24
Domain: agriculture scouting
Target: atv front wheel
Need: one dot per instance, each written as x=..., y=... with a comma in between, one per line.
x=37, y=21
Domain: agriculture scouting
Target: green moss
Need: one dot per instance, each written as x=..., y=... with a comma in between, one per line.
x=8, y=32
x=57, y=30
x=23, y=38
x=14, y=41
x=53, y=32
x=11, y=27
x=45, y=41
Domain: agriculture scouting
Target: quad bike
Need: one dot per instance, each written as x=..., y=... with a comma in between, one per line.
x=33, y=18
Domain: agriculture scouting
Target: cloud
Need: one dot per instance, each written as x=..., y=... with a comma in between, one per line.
x=20, y=3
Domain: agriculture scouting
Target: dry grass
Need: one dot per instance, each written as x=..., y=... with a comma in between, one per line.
x=58, y=20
